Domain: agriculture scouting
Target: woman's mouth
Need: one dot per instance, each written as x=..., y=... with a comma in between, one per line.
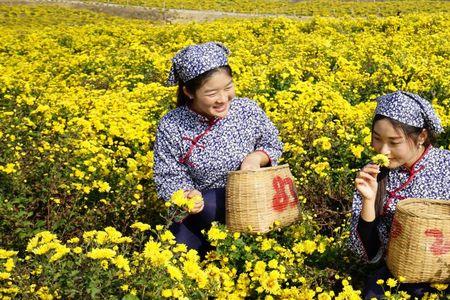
x=220, y=108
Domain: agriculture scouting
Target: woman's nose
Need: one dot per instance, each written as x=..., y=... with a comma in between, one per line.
x=223, y=97
x=385, y=150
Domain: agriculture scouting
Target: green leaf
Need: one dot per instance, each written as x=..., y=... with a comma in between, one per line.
x=39, y=224
x=130, y=297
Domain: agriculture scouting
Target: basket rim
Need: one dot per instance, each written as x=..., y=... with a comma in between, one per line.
x=403, y=206
x=263, y=169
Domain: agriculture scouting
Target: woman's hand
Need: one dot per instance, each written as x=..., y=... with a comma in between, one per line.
x=366, y=182
x=254, y=161
x=199, y=205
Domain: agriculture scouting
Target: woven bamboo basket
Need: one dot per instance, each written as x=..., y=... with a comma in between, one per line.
x=256, y=199
x=419, y=244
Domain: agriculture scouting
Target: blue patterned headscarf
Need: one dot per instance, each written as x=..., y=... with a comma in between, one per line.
x=410, y=109
x=195, y=60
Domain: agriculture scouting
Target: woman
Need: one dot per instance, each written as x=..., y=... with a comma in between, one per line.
x=210, y=133
x=404, y=128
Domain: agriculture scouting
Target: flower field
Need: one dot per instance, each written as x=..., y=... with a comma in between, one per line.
x=80, y=98
x=323, y=8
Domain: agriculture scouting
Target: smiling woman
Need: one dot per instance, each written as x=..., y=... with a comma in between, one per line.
x=209, y=134
x=213, y=97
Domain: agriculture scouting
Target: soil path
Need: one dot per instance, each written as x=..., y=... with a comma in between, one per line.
x=141, y=12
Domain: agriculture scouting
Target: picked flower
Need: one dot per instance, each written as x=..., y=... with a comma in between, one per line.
x=180, y=206
x=381, y=160
x=179, y=199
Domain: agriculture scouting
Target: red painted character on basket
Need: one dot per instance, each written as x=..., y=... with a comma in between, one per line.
x=282, y=199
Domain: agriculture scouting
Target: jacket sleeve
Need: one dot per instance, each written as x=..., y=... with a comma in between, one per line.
x=169, y=174
x=268, y=142
x=368, y=234
x=364, y=241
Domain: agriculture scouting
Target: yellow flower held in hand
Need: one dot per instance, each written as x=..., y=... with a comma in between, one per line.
x=381, y=160
x=190, y=202
x=179, y=199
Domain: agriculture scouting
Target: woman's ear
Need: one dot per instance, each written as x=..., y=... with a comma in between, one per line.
x=423, y=136
x=186, y=92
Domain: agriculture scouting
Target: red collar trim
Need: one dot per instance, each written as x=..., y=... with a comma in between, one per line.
x=194, y=142
x=412, y=174
x=413, y=166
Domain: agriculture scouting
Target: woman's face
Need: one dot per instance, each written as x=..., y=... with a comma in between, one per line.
x=213, y=98
x=393, y=142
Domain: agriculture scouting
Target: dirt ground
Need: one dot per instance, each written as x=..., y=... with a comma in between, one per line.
x=140, y=12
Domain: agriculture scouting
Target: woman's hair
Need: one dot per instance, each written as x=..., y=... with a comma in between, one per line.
x=411, y=133
x=194, y=84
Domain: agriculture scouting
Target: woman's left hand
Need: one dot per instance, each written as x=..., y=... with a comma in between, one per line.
x=199, y=205
x=254, y=161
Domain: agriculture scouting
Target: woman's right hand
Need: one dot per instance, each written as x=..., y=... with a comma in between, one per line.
x=366, y=182
x=199, y=205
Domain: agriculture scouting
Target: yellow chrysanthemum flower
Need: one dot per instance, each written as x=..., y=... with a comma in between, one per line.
x=215, y=234
x=381, y=160
x=7, y=253
x=101, y=253
x=141, y=226
x=440, y=286
x=391, y=282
